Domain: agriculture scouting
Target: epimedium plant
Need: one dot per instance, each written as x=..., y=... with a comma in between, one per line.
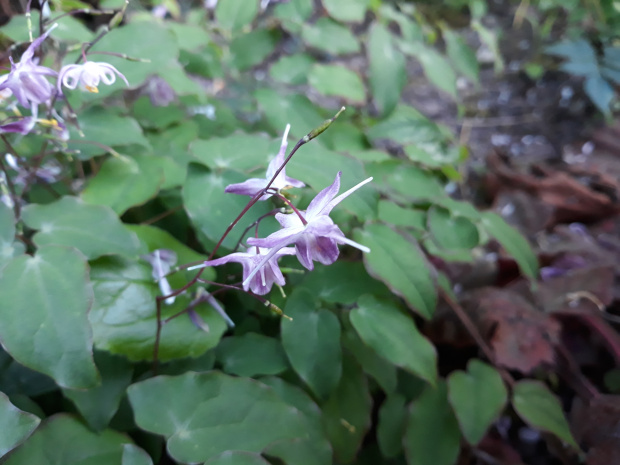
x=128, y=330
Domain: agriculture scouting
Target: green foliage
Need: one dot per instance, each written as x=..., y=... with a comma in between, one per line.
x=15, y=424
x=432, y=433
x=217, y=413
x=46, y=326
x=394, y=337
x=62, y=440
x=478, y=397
x=401, y=265
x=311, y=340
x=540, y=408
x=104, y=316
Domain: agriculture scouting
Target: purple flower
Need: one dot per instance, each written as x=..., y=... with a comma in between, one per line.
x=21, y=126
x=162, y=260
x=27, y=79
x=316, y=237
x=252, y=186
x=258, y=279
x=88, y=75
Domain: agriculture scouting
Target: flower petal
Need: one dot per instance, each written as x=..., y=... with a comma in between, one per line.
x=250, y=187
x=343, y=196
x=323, y=198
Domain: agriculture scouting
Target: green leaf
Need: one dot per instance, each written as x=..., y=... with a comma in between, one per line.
x=391, y=426
x=337, y=81
x=63, y=440
x=395, y=337
x=133, y=455
x=330, y=37
x=512, y=240
x=92, y=229
x=211, y=209
x=384, y=373
x=123, y=316
x=235, y=14
x=401, y=265
x=461, y=55
x=539, y=408
x=45, y=324
x=432, y=436
x=189, y=37
x=298, y=12
x=347, y=10
x=15, y=425
x=315, y=450
x=241, y=152
x=405, y=183
x=346, y=414
x=478, y=397
x=251, y=49
x=9, y=248
x=451, y=232
x=387, y=72
x=437, y=70
x=105, y=127
x=341, y=282
x=311, y=341
x=390, y=212
x=99, y=404
x=295, y=109
x=251, y=354
x=237, y=457
x=292, y=69
x=124, y=182
x=405, y=126
x=215, y=414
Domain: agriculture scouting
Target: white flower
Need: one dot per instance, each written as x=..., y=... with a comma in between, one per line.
x=88, y=75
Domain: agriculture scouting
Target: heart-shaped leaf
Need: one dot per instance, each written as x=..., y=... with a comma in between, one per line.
x=252, y=354
x=215, y=414
x=44, y=322
x=478, y=397
x=395, y=337
x=94, y=230
x=311, y=341
x=63, y=440
x=124, y=182
x=123, y=316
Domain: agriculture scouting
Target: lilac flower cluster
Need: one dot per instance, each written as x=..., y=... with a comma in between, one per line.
x=311, y=234
x=28, y=83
